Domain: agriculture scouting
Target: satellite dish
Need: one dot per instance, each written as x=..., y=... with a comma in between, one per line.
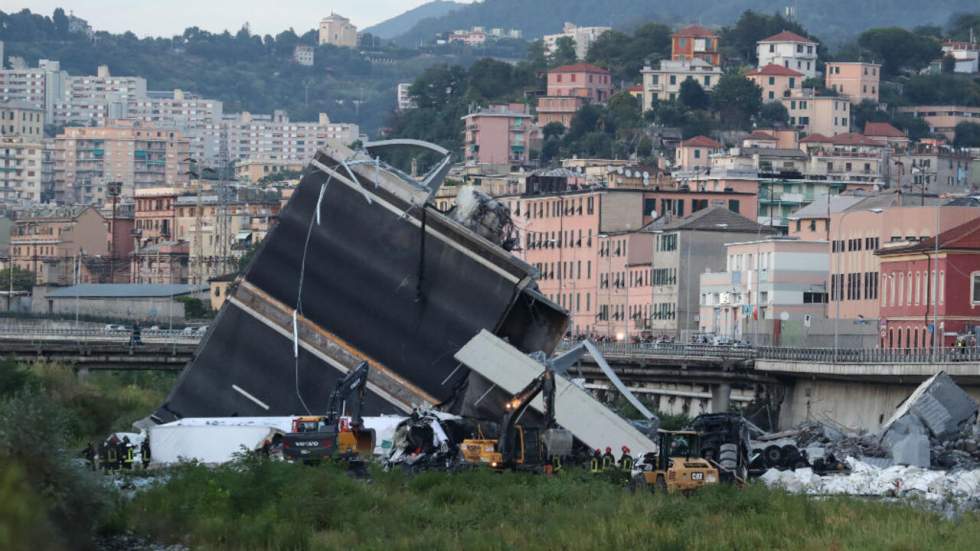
x=619, y=170
x=653, y=214
x=646, y=175
x=784, y=316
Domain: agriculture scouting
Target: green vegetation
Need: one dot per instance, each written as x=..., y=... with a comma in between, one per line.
x=259, y=504
x=20, y=279
x=46, y=415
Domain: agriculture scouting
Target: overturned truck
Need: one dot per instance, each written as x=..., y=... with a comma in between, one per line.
x=361, y=267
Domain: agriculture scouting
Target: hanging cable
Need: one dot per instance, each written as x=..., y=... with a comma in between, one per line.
x=421, y=272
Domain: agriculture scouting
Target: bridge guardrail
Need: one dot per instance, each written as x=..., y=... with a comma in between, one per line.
x=157, y=335
x=816, y=355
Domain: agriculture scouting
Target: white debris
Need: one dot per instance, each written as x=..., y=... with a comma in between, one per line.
x=867, y=480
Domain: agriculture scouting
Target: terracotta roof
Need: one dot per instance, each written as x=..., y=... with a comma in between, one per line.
x=579, y=68
x=882, y=129
x=852, y=138
x=816, y=138
x=760, y=135
x=964, y=236
x=635, y=88
x=773, y=70
x=694, y=30
x=786, y=36
x=701, y=141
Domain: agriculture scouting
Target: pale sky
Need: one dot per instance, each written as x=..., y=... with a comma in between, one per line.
x=170, y=17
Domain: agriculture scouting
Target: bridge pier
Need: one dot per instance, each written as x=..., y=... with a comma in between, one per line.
x=721, y=396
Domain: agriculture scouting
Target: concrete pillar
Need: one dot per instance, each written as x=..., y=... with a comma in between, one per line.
x=721, y=395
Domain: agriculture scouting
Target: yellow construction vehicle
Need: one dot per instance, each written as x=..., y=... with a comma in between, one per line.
x=324, y=436
x=521, y=447
x=677, y=466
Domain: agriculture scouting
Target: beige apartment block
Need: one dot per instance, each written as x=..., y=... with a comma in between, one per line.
x=21, y=152
x=131, y=152
x=47, y=241
x=337, y=30
x=813, y=114
x=858, y=81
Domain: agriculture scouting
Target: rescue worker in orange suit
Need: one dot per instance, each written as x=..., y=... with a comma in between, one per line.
x=608, y=460
x=594, y=465
x=626, y=461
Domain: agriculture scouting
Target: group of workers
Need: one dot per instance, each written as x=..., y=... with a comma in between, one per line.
x=606, y=462
x=118, y=454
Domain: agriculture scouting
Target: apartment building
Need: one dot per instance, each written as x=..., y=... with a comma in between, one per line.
x=404, y=94
x=253, y=170
x=695, y=42
x=849, y=157
x=499, y=135
x=813, y=114
x=664, y=83
x=930, y=291
x=776, y=81
x=276, y=138
x=220, y=226
x=695, y=153
x=559, y=236
x=163, y=263
x=625, y=294
x=127, y=151
x=155, y=214
x=789, y=50
x=942, y=119
x=583, y=37
x=868, y=225
x=198, y=119
x=304, y=55
x=48, y=241
x=930, y=167
x=569, y=88
x=684, y=248
x=93, y=100
x=41, y=86
x=858, y=81
x=337, y=30
x=21, y=152
x=965, y=54
x=775, y=278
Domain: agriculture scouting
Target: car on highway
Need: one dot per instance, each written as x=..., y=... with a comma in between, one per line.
x=114, y=328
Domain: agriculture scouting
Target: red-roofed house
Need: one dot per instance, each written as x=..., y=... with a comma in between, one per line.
x=918, y=285
x=695, y=42
x=776, y=81
x=569, y=88
x=694, y=152
x=759, y=138
x=886, y=134
x=813, y=114
x=789, y=50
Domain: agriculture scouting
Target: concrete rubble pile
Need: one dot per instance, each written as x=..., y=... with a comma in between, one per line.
x=935, y=428
x=899, y=481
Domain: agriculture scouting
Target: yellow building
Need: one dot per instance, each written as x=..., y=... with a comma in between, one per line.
x=338, y=31
x=253, y=170
x=21, y=146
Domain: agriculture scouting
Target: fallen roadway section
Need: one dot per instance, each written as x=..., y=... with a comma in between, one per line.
x=589, y=420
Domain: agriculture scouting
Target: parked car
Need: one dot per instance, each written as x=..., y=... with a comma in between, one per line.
x=114, y=328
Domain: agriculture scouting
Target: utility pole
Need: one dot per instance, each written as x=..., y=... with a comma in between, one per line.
x=115, y=188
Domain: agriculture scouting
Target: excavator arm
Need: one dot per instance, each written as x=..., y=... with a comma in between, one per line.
x=349, y=390
x=543, y=384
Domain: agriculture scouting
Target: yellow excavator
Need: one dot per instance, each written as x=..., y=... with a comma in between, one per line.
x=677, y=466
x=318, y=437
x=522, y=447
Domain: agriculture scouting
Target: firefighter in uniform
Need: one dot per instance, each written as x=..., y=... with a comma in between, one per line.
x=608, y=460
x=626, y=461
x=595, y=462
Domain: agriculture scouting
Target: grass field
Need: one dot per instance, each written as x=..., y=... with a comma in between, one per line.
x=270, y=505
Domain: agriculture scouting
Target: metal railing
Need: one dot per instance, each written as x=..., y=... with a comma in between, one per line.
x=42, y=333
x=817, y=355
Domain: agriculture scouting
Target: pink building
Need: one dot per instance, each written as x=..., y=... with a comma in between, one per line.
x=583, y=80
x=694, y=152
x=560, y=109
x=499, y=135
x=560, y=238
x=859, y=231
x=624, y=295
x=858, y=81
